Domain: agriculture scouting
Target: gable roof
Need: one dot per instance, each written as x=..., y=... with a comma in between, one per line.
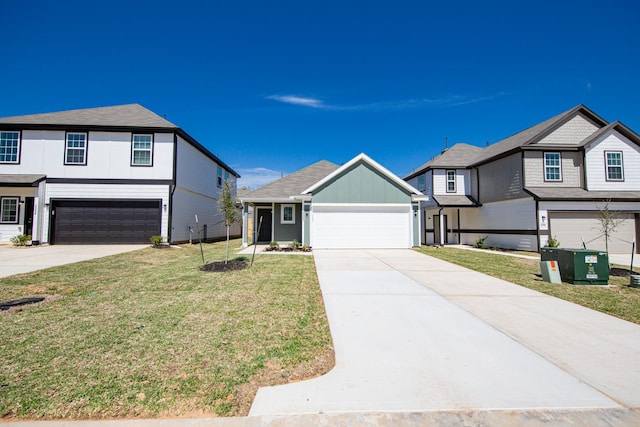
x=534, y=134
x=617, y=126
x=118, y=117
x=465, y=155
x=368, y=160
x=129, y=115
x=293, y=184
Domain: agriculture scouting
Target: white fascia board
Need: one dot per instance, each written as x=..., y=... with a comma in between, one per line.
x=301, y=198
x=270, y=200
x=372, y=163
x=419, y=198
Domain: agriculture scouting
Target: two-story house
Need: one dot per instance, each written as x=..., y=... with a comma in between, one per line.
x=107, y=175
x=553, y=179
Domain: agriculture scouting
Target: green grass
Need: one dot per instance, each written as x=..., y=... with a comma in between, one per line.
x=617, y=299
x=149, y=334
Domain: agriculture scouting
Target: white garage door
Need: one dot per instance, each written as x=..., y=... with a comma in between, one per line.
x=351, y=227
x=570, y=228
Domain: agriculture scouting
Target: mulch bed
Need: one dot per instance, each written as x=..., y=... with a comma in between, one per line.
x=621, y=272
x=221, y=266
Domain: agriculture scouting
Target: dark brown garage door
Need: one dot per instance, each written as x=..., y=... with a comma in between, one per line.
x=104, y=221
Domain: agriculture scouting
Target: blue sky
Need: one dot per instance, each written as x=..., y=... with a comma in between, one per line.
x=273, y=86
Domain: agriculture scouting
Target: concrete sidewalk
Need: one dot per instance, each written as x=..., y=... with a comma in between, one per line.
x=15, y=260
x=413, y=333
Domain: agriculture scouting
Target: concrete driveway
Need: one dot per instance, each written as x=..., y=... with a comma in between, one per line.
x=24, y=260
x=413, y=333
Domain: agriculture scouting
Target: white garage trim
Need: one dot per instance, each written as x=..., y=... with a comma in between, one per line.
x=351, y=226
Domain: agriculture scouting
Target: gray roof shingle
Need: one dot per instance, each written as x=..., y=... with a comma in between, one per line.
x=458, y=156
x=575, y=193
x=129, y=115
x=20, y=180
x=464, y=155
x=295, y=183
x=454, y=200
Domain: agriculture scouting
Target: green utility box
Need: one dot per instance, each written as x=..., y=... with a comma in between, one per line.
x=583, y=266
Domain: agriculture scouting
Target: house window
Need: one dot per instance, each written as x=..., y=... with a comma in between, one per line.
x=9, y=147
x=552, y=168
x=76, y=149
x=422, y=183
x=9, y=210
x=142, y=150
x=288, y=214
x=226, y=176
x=614, y=166
x=451, y=181
x=219, y=176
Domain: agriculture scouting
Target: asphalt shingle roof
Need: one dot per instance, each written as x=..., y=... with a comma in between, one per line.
x=465, y=155
x=129, y=115
x=20, y=179
x=454, y=200
x=294, y=184
x=574, y=193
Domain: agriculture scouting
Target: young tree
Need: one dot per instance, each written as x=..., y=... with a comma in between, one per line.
x=227, y=206
x=609, y=222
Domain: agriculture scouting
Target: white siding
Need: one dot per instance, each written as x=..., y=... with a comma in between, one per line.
x=7, y=231
x=104, y=191
x=595, y=163
x=197, y=172
x=463, y=183
x=108, y=156
x=573, y=132
x=186, y=205
x=516, y=214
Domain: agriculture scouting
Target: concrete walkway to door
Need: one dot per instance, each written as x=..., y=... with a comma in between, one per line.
x=15, y=260
x=413, y=333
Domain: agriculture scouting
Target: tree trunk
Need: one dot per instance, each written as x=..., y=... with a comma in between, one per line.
x=226, y=259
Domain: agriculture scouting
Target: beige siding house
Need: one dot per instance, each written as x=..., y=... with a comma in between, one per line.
x=552, y=179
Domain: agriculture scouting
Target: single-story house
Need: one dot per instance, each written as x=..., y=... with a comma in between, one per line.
x=357, y=205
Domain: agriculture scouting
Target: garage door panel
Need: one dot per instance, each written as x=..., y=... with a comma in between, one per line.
x=361, y=227
x=572, y=228
x=105, y=221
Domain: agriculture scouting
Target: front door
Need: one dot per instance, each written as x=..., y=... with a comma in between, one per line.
x=440, y=229
x=264, y=234
x=28, y=216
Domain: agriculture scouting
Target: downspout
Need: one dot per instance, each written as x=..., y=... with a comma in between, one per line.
x=441, y=225
x=459, y=233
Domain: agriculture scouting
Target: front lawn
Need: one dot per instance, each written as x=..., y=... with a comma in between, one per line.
x=617, y=299
x=148, y=334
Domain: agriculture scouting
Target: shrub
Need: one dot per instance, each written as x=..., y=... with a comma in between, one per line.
x=156, y=240
x=20, y=240
x=552, y=242
x=295, y=244
x=481, y=243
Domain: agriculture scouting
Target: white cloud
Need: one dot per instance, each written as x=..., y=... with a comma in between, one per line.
x=257, y=177
x=298, y=100
x=449, y=101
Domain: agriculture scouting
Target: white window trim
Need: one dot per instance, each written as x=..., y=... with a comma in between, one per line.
x=17, y=161
x=559, y=166
x=67, y=148
x=607, y=166
x=293, y=214
x=133, y=150
x=455, y=183
x=2, y=199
